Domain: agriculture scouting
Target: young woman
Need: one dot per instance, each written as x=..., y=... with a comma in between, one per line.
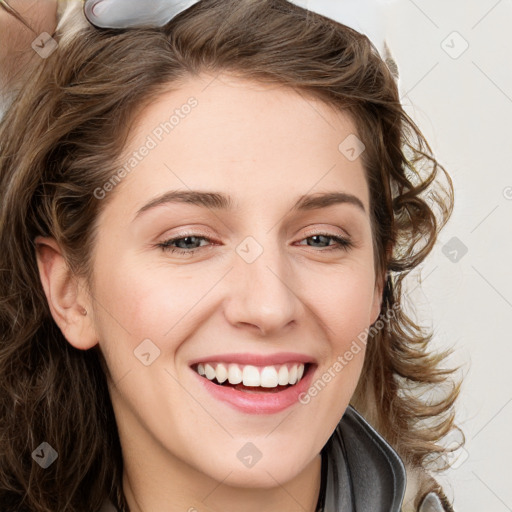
x=205, y=227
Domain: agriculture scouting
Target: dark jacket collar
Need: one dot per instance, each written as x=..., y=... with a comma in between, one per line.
x=360, y=470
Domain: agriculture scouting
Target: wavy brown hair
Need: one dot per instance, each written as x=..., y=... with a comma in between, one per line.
x=63, y=137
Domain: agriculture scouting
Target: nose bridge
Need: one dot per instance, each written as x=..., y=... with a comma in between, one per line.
x=262, y=292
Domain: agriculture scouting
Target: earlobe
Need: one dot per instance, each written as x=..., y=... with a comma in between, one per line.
x=66, y=302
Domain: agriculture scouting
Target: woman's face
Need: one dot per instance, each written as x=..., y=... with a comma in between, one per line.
x=265, y=290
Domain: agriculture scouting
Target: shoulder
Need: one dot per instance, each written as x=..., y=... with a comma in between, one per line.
x=423, y=493
x=396, y=486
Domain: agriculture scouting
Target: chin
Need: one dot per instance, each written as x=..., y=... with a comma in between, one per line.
x=261, y=476
x=264, y=473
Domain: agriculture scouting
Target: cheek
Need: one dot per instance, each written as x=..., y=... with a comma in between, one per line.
x=343, y=299
x=348, y=321
x=343, y=305
x=139, y=303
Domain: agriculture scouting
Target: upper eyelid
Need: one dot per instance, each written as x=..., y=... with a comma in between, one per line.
x=326, y=233
x=309, y=231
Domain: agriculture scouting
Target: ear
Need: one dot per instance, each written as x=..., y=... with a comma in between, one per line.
x=66, y=298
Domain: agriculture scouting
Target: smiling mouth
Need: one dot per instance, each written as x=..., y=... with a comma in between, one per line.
x=253, y=379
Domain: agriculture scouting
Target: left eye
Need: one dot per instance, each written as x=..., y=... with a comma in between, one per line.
x=167, y=245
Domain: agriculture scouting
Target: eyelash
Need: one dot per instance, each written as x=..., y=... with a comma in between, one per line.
x=344, y=244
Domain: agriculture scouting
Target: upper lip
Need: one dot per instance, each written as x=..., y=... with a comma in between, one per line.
x=256, y=359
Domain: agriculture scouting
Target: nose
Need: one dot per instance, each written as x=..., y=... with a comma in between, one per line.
x=262, y=294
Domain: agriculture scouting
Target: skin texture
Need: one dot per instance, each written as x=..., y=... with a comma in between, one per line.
x=16, y=38
x=265, y=146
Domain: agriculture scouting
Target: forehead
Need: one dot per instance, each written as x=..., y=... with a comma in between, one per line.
x=255, y=140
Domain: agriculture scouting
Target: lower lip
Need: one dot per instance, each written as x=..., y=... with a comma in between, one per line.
x=259, y=402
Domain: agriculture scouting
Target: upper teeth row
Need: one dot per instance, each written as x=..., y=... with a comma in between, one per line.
x=266, y=377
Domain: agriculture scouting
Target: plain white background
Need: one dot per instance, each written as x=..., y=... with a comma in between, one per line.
x=455, y=63
x=462, y=100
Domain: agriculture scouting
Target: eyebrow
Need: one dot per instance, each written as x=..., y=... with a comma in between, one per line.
x=219, y=201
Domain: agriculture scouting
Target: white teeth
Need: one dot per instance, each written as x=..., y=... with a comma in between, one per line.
x=269, y=377
x=221, y=372
x=292, y=374
x=283, y=376
x=209, y=371
x=234, y=374
x=253, y=376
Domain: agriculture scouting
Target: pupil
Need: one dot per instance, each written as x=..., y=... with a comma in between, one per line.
x=188, y=238
x=317, y=237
